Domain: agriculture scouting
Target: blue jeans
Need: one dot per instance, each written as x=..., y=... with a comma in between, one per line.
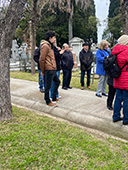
x=88, y=77
x=41, y=80
x=121, y=95
x=53, y=84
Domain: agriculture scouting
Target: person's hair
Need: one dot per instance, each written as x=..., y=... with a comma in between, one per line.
x=64, y=45
x=102, y=44
x=85, y=44
x=50, y=34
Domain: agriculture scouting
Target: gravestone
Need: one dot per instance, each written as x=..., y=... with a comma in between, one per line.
x=14, y=52
x=76, y=44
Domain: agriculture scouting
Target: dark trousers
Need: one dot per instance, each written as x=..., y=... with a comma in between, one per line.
x=88, y=77
x=111, y=94
x=50, y=75
x=67, y=74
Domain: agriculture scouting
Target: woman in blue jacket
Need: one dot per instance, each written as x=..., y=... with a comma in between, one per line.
x=101, y=53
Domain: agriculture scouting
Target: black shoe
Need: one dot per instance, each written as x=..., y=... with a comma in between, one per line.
x=98, y=95
x=64, y=88
x=118, y=120
x=125, y=123
x=42, y=90
x=110, y=108
x=69, y=87
x=104, y=94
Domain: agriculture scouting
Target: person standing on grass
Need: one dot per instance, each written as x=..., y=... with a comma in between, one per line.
x=101, y=53
x=48, y=67
x=58, y=64
x=86, y=59
x=67, y=65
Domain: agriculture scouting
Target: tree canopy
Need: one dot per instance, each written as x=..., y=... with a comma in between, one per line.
x=84, y=24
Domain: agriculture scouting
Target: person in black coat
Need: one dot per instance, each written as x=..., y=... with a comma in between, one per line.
x=86, y=59
x=67, y=65
x=41, y=77
x=111, y=93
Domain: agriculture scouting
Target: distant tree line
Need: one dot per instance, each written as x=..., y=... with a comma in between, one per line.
x=117, y=20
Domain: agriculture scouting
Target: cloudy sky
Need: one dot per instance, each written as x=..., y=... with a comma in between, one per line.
x=102, y=7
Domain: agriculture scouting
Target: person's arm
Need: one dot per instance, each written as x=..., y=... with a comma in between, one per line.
x=36, y=55
x=43, y=53
x=99, y=56
x=91, y=59
x=81, y=59
x=62, y=51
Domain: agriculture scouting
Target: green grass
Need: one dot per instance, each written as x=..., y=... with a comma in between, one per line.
x=75, y=81
x=33, y=142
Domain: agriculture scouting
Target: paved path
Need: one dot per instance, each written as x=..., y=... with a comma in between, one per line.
x=78, y=106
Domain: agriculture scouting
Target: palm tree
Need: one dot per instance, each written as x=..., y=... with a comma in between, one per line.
x=124, y=12
x=68, y=6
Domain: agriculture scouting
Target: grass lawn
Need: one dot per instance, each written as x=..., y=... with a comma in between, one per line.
x=35, y=142
x=75, y=81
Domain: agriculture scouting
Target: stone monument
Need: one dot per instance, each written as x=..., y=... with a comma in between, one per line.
x=76, y=44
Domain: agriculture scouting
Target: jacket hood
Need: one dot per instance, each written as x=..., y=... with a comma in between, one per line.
x=118, y=49
x=44, y=42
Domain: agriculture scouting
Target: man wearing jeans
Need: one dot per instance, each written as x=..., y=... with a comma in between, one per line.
x=86, y=59
x=48, y=67
x=41, y=77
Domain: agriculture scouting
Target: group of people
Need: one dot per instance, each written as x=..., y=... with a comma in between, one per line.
x=52, y=59
x=118, y=86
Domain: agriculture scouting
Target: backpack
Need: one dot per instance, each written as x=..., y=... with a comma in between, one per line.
x=111, y=67
x=36, y=55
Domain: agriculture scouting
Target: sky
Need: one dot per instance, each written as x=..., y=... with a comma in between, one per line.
x=102, y=8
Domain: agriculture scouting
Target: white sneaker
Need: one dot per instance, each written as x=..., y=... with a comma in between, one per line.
x=59, y=97
x=54, y=102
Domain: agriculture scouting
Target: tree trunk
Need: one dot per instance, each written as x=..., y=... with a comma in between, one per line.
x=124, y=12
x=70, y=23
x=32, y=46
x=33, y=34
x=7, y=31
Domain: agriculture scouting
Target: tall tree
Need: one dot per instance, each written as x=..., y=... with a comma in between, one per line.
x=37, y=6
x=31, y=14
x=124, y=12
x=7, y=30
x=68, y=6
x=33, y=32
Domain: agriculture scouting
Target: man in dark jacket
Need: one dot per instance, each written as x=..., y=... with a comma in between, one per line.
x=67, y=65
x=58, y=65
x=41, y=77
x=86, y=59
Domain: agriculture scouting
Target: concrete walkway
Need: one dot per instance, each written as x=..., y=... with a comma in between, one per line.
x=78, y=106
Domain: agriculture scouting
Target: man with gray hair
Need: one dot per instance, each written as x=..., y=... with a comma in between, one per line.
x=67, y=65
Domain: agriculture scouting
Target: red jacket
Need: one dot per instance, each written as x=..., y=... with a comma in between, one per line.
x=122, y=58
